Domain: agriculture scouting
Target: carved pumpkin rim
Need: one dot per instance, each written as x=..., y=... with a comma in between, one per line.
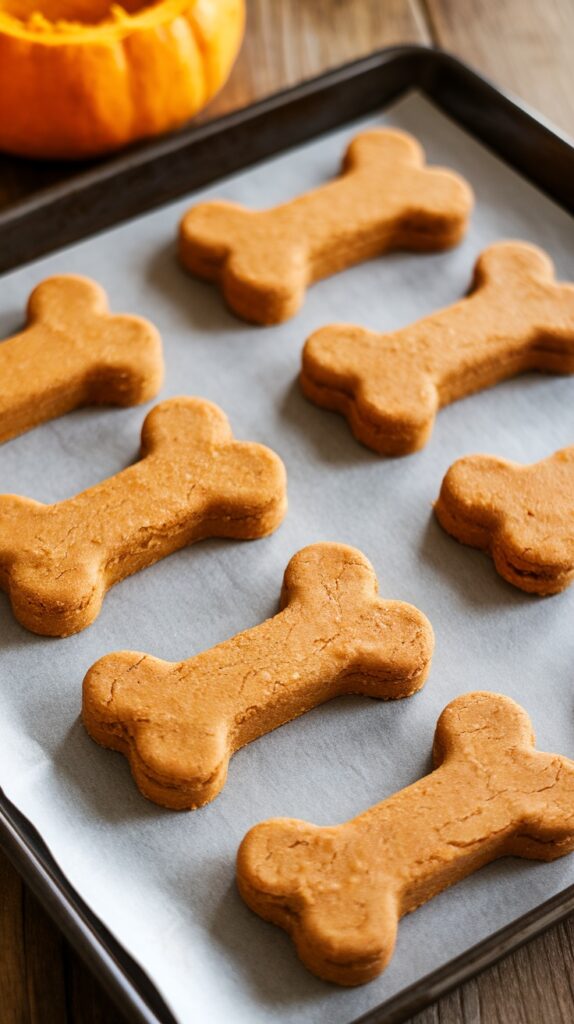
x=116, y=23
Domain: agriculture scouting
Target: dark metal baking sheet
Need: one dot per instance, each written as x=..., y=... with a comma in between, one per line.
x=149, y=175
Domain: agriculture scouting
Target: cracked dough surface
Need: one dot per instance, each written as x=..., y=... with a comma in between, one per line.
x=339, y=891
x=523, y=516
x=193, y=481
x=179, y=723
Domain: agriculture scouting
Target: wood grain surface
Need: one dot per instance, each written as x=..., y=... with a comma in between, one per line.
x=527, y=47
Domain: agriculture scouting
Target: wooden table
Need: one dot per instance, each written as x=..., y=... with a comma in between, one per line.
x=527, y=47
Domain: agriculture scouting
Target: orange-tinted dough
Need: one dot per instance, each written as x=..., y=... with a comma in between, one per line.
x=390, y=386
x=179, y=723
x=340, y=891
x=522, y=515
x=386, y=198
x=193, y=481
x=74, y=352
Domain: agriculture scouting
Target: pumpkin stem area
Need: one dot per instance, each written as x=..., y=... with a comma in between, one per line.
x=34, y=13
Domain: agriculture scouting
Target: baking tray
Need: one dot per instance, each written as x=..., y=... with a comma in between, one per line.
x=146, y=175
x=150, y=175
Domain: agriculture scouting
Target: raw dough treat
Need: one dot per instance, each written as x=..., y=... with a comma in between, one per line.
x=179, y=723
x=339, y=891
x=74, y=352
x=522, y=515
x=390, y=386
x=193, y=481
x=384, y=199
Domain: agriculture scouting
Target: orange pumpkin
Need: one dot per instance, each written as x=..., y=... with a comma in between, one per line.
x=82, y=77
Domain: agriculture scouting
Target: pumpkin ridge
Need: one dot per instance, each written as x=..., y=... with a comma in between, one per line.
x=73, y=89
x=116, y=24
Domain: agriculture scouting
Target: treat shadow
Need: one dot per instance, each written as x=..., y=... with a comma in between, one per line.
x=470, y=571
x=201, y=301
x=96, y=429
x=12, y=634
x=75, y=443
x=327, y=432
x=101, y=780
x=261, y=952
x=11, y=322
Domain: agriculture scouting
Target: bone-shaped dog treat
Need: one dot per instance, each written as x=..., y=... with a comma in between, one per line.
x=74, y=352
x=522, y=515
x=340, y=891
x=385, y=199
x=193, y=481
x=179, y=723
x=390, y=386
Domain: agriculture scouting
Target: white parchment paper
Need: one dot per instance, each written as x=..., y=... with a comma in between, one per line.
x=163, y=882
